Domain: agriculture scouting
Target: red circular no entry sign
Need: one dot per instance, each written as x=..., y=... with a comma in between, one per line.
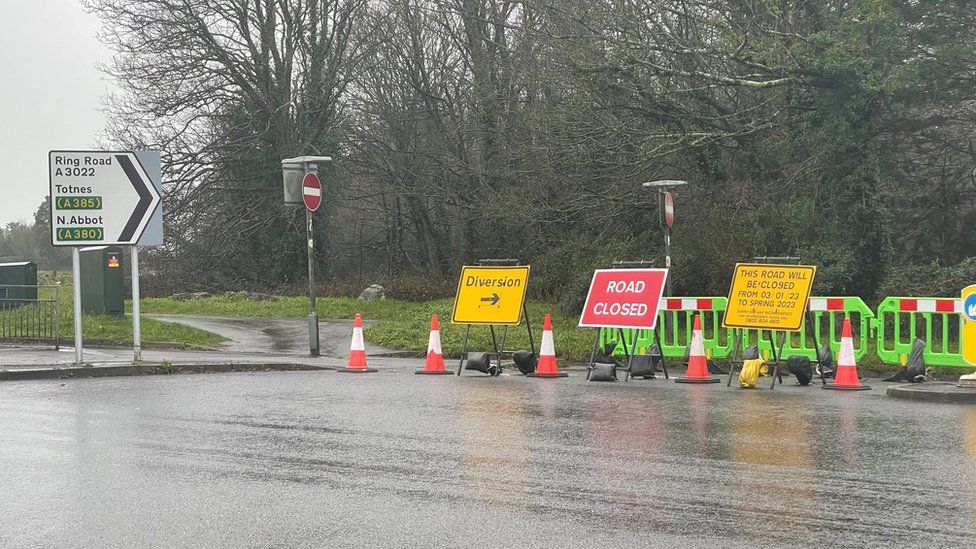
x=668, y=209
x=311, y=191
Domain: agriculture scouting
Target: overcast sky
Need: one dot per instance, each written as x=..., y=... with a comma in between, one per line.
x=50, y=96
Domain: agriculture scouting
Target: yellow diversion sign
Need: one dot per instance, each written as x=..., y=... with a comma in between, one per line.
x=490, y=295
x=769, y=297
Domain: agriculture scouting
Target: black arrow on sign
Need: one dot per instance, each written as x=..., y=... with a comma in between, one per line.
x=145, y=197
x=493, y=299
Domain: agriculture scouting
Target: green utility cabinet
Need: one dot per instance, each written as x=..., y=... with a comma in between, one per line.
x=102, y=283
x=13, y=279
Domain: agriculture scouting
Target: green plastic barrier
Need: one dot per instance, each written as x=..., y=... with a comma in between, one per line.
x=675, y=322
x=935, y=320
x=828, y=319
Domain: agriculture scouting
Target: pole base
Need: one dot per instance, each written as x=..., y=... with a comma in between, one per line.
x=847, y=388
x=357, y=370
x=697, y=380
x=558, y=374
x=433, y=373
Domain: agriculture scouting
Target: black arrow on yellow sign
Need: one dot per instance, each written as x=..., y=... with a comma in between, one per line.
x=493, y=299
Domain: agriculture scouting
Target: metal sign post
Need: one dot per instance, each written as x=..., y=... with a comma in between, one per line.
x=105, y=198
x=666, y=207
x=136, y=311
x=313, y=315
x=76, y=293
x=302, y=186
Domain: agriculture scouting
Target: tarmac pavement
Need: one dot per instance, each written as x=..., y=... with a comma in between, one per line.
x=391, y=459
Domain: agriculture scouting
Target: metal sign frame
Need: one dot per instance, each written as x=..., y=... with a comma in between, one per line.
x=499, y=350
x=620, y=265
x=807, y=316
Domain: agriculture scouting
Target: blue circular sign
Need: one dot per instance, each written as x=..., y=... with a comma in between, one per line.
x=969, y=307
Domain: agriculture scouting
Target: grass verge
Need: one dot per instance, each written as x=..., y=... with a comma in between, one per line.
x=398, y=324
x=34, y=322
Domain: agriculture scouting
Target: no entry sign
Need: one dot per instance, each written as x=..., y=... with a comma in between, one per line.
x=668, y=209
x=624, y=298
x=311, y=191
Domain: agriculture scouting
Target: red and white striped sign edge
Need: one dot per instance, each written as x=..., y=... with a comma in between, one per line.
x=688, y=304
x=826, y=304
x=311, y=191
x=930, y=305
x=660, y=301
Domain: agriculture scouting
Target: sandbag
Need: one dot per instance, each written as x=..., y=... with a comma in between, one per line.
x=750, y=353
x=749, y=375
x=481, y=362
x=916, y=362
x=603, y=371
x=646, y=364
x=799, y=366
x=914, y=370
x=825, y=362
x=525, y=361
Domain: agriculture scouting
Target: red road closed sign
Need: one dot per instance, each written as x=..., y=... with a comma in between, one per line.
x=624, y=298
x=311, y=191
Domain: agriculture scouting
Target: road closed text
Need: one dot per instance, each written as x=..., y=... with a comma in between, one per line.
x=624, y=298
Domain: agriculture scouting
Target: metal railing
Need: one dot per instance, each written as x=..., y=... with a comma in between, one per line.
x=30, y=313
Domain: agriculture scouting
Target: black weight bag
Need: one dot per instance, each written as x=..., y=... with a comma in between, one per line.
x=825, y=361
x=799, y=366
x=750, y=353
x=481, y=362
x=525, y=361
x=645, y=365
x=914, y=371
x=604, y=366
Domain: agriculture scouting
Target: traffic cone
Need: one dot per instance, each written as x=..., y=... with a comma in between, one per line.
x=697, y=363
x=845, y=377
x=547, y=354
x=357, y=350
x=435, y=357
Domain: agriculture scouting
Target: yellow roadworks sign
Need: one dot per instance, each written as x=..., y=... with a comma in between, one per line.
x=968, y=318
x=769, y=297
x=490, y=295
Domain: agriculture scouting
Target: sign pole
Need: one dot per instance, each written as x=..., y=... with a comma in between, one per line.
x=136, y=319
x=313, y=316
x=667, y=259
x=76, y=292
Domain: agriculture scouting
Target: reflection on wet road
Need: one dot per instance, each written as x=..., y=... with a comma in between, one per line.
x=315, y=459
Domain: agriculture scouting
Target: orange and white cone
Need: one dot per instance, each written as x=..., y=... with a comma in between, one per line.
x=435, y=357
x=547, y=354
x=845, y=377
x=357, y=350
x=697, y=363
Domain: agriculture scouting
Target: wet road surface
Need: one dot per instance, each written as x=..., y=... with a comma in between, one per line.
x=321, y=459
